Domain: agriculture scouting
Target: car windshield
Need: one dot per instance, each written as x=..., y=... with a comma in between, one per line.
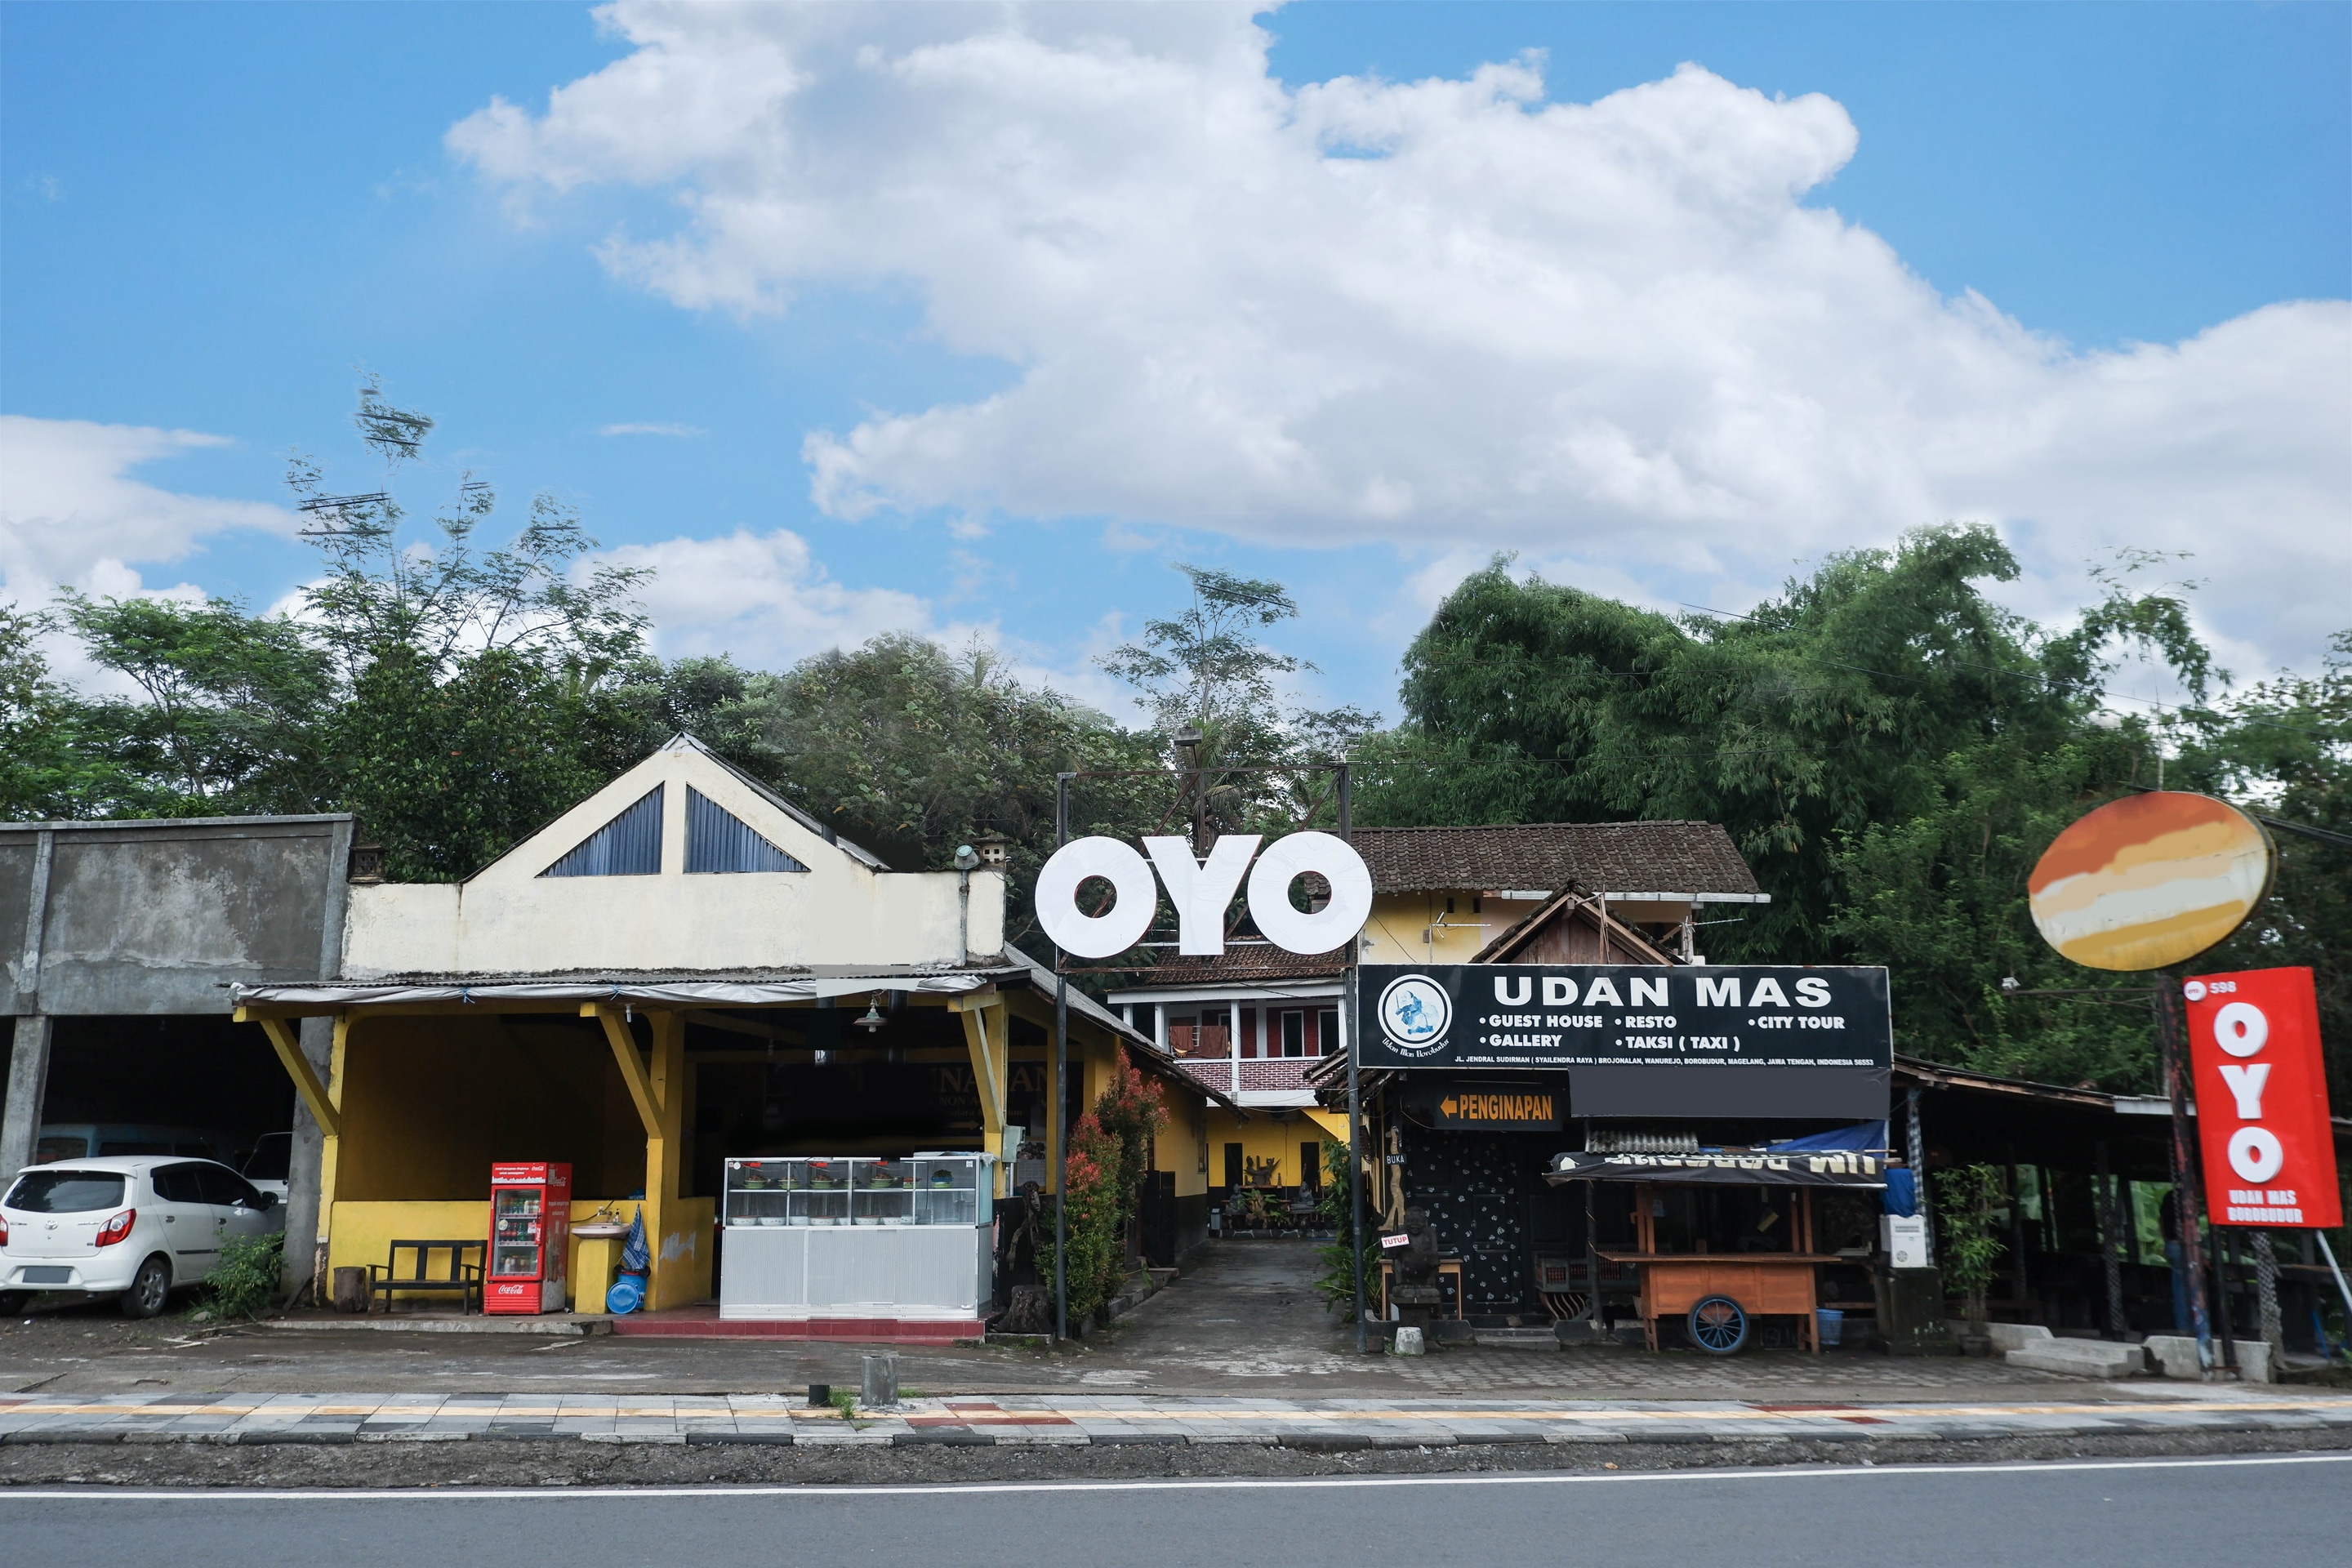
x=66, y=1192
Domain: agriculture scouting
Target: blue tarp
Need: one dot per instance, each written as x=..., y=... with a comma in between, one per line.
x=1902, y=1192
x=1863, y=1137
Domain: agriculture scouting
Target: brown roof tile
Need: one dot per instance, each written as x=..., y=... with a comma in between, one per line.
x=1257, y=963
x=1601, y=856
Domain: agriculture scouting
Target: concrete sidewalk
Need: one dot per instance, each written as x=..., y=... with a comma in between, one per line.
x=1060, y=1420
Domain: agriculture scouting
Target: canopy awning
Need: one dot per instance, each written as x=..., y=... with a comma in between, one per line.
x=1726, y=1169
x=640, y=993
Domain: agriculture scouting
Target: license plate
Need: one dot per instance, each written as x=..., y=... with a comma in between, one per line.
x=41, y=1276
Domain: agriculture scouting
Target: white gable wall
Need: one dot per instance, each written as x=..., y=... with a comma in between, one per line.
x=508, y=919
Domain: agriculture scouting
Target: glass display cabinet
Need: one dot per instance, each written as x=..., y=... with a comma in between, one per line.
x=858, y=1236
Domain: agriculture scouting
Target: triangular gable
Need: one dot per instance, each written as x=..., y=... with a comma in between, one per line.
x=662, y=787
x=717, y=840
x=628, y=845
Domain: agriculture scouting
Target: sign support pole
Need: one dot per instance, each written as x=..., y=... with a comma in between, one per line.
x=2188, y=1201
x=1353, y=1026
x=1061, y=1095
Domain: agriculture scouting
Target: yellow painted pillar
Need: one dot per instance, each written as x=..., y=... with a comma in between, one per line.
x=988, y=1038
x=330, y=1145
x=675, y=1248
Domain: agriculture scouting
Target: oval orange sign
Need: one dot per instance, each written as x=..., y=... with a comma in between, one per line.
x=2149, y=879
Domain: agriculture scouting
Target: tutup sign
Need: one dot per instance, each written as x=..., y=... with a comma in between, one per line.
x=1201, y=891
x=1641, y=1040
x=2150, y=881
x=2262, y=1099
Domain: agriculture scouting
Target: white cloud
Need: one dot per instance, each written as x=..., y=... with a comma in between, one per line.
x=72, y=517
x=1446, y=313
x=761, y=597
x=71, y=514
x=678, y=430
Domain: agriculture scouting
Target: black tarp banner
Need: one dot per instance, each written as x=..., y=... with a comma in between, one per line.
x=1728, y=1041
x=1819, y=1168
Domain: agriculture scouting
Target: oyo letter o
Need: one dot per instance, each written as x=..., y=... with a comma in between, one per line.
x=1083, y=935
x=2255, y=1155
x=1288, y=858
x=2240, y=1029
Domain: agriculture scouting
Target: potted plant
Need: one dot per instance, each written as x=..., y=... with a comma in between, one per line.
x=1966, y=1198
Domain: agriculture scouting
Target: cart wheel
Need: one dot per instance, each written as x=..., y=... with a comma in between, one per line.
x=1718, y=1325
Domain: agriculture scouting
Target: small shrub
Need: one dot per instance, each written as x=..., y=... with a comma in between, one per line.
x=244, y=1285
x=1966, y=1199
x=1336, y=1285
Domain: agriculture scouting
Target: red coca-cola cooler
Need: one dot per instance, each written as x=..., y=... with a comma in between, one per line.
x=531, y=1237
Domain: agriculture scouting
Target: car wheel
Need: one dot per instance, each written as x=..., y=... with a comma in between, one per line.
x=1718, y=1325
x=151, y=1288
x=14, y=1301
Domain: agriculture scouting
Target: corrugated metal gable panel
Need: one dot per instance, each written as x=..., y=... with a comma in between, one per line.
x=717, y=840
x=628, y=845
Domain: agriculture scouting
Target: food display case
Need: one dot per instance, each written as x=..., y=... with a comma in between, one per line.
x=858, y=1236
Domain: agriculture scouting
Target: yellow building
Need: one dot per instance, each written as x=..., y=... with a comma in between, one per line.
x=1255, y=1022
x=682, y=970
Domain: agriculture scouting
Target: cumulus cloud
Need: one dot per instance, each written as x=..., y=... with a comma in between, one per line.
x=72, y=515
x=1436, y=313
x=760, y=598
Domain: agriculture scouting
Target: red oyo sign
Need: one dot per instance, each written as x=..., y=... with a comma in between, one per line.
x=2262, y=1099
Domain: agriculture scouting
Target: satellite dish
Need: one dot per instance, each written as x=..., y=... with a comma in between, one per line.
x=2151, y=880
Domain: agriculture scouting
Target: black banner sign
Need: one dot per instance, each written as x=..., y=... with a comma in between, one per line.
x=1489, y=1108
x=1811, y=1169
x=1737, y=1040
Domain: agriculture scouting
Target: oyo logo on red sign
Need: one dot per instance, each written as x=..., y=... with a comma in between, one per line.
x=2262, y=1099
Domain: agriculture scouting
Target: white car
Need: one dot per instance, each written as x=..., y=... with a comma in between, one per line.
x=139, y=1225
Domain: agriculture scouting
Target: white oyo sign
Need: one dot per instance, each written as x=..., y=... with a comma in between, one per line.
x=1201, y=889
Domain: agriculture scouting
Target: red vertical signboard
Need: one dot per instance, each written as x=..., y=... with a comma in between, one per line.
x=2262, y=1099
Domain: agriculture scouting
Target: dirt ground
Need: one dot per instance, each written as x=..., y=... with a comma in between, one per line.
x=545, y=1464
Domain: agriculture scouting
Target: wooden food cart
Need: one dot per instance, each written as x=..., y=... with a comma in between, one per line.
x=1718, y=1293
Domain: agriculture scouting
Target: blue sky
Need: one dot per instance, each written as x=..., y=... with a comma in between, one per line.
x=212, y=214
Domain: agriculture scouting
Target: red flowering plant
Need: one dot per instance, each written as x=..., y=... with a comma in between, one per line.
x=1109, y=1156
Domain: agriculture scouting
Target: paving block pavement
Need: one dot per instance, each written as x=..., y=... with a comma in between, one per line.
x=1049, y=1420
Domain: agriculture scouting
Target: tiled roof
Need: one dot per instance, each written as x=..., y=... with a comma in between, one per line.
x=1256, y=964
x=1600, y=857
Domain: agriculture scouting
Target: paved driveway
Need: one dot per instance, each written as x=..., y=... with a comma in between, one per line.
x=1243, y=1320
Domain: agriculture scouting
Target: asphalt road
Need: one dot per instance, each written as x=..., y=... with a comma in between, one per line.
x=2143, y=1513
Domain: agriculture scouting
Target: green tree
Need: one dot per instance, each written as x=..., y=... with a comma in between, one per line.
x=232, y=704
x=480, y=686
x=2284, y=748
x=50, y=767
x=910, y=749
x=1204, y=669
x=1890, y=749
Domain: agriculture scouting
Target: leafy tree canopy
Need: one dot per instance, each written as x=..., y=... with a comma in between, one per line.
x=1890, y=749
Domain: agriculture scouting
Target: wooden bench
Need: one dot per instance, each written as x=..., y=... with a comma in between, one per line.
x=464, y=1279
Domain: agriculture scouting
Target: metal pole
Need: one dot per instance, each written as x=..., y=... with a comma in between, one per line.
x=2226, y=1331
x=2266, y=1302
x=2336, y=1269
x=1355, y=1089
x=1061, y=1095
x=2111, y=1228
x=1919, y=1155
x=2187, y=1204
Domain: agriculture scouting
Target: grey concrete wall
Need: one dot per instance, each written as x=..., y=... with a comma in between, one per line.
x=162, y=917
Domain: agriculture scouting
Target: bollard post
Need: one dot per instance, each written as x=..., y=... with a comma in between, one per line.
x=881, y=1381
